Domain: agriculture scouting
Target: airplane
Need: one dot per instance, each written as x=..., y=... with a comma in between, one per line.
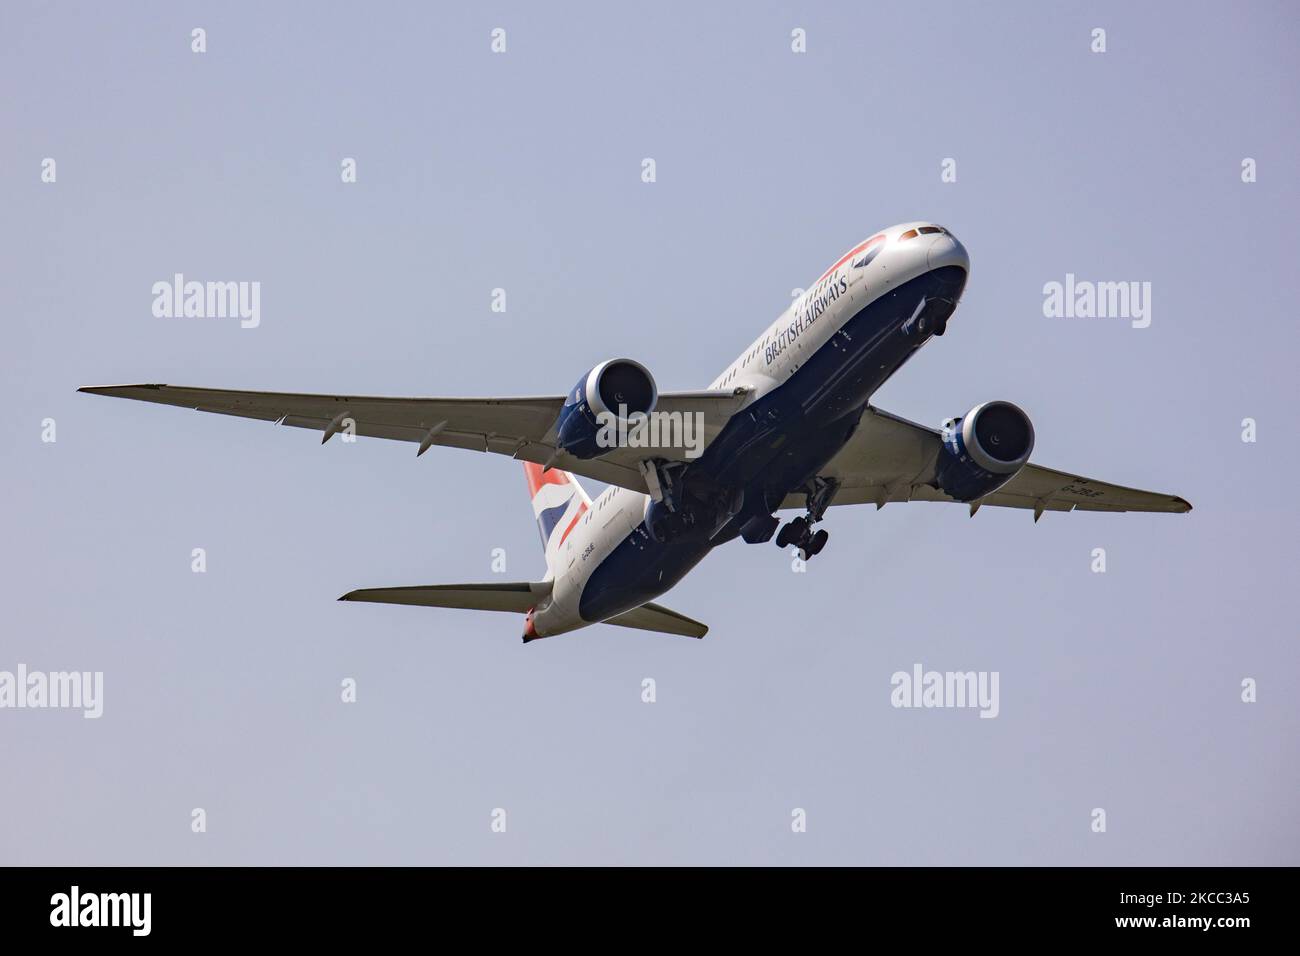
x=788, y=425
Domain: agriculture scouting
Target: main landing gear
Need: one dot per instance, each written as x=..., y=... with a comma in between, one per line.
x=799, y=532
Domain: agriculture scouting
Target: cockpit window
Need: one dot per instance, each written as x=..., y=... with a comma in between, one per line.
x=928, y=230
x=910, y=234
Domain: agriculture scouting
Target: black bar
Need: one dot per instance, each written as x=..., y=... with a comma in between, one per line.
x=336, y=905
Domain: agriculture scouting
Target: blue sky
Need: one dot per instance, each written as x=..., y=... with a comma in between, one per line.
x=522, y=171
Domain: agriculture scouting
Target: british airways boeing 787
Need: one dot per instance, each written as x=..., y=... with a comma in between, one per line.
x=788, y=425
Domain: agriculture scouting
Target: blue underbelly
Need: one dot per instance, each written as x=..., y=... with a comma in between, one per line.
x=778, y=442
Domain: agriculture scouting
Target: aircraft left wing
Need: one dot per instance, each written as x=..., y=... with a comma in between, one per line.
x=890, y=459
x=521, y=428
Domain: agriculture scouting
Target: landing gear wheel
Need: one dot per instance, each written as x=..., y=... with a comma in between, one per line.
x=941, y=327
x=817, y=543
x=792, y=533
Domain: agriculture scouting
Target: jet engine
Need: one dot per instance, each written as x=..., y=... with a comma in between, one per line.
x=599, y=405
x=983, y=450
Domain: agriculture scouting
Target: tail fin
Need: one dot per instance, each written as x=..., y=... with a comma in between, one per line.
x=559, y=502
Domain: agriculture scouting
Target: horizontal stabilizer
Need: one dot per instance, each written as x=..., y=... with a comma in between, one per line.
x=656, y=617
x=518, y=596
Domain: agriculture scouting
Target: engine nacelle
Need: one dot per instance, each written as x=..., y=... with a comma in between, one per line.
x=983, y=450
x=611, y=392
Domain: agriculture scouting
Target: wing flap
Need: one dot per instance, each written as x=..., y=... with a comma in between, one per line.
x=1035, y=483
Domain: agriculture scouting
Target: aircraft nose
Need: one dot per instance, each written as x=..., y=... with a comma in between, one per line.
x=945, y=250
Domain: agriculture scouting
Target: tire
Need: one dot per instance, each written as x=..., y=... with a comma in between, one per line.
x=818, y=542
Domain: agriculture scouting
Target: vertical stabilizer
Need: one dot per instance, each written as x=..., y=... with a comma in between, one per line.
x=559, y=503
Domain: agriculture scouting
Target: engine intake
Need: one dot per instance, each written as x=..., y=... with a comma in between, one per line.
x=983, y=450
x=610, y=393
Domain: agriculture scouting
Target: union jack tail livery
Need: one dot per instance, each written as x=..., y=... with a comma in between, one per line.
x=559, y=503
